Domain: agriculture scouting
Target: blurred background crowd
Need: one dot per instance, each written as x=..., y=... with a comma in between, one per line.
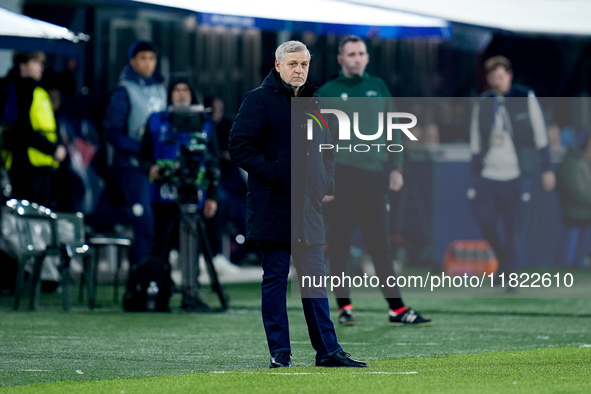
x=224, y=57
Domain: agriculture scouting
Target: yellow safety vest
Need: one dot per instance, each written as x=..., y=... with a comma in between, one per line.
x=6, y=156
x=43, y=121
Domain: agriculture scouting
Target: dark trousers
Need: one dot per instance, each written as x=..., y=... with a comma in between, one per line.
x=168, y=222
x=360, y=196
x=308, y=261
x=34, y=186
x=134, y=186
x=166, y=229
x=502, y=203
x=577, y=242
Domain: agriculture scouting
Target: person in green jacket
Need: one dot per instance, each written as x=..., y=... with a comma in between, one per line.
x=574, y=188
x=362, y=180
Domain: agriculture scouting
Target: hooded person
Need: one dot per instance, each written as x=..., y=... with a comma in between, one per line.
x=163, y=146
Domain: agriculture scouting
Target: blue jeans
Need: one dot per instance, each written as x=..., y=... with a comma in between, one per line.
x=502, y=202
x=134, y=185
x=308, y=260
x=578, y=245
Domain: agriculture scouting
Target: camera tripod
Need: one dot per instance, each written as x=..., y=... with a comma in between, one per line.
x=191, y=236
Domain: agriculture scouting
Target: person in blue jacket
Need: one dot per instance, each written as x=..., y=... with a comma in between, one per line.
x=160, y=151
x=284, y=202
x=139, y=93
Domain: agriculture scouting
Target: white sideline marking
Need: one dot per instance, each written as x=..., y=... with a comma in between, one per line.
x=392, y=373
x=586, y=345
x=296, y=373
x=324, y=373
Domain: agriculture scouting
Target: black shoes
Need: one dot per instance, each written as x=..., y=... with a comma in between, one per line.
x=194, y=304
x=409, y=317
x=340, y=359
x=346, y=317
x=281, y=359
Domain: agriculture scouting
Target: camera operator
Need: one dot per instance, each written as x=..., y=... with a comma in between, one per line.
x=162, y=148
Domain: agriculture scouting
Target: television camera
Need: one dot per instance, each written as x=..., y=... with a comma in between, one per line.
x=190, y=175
x=195, y=167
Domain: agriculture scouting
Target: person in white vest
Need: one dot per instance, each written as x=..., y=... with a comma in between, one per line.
x=139, y=93
x=509, y=144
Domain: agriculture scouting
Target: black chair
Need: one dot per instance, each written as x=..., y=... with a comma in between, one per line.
x=97, y=242
x=36, y=232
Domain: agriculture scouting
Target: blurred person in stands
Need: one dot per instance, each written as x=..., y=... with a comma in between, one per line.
x=507, y=137
x=67, y=188
x=557, y=149
x=139, y=93
x=74, y=190
x=431, y=135
x=32, y=148
x=232, y=191
x=362, y=182
x=222, y=124
x=161, y=147
x=574, y=187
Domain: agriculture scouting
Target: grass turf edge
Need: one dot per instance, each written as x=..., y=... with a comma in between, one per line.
x=540, y=370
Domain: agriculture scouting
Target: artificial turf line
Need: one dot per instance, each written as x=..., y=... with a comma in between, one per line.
x=541, y=371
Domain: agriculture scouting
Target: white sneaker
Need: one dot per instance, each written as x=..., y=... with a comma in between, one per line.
x=224, y=266
x=173, y=258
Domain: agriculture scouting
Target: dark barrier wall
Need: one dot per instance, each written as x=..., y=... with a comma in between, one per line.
x=433, y=210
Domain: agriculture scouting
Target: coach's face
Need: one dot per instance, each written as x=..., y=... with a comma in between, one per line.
x=294, y=68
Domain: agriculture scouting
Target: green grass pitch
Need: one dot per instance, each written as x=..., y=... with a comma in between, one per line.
x=505, y=344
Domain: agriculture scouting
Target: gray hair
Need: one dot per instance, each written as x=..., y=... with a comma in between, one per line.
x=290, y=47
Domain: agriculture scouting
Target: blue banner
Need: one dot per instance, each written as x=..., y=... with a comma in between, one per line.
x=245, y=22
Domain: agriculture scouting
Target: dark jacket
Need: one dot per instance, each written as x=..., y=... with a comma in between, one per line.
x=162, y=146
x=574, y=187
x=126, y=147
x=523, y=132
x=16, y=98
x=287, y=175
x=376, y=98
